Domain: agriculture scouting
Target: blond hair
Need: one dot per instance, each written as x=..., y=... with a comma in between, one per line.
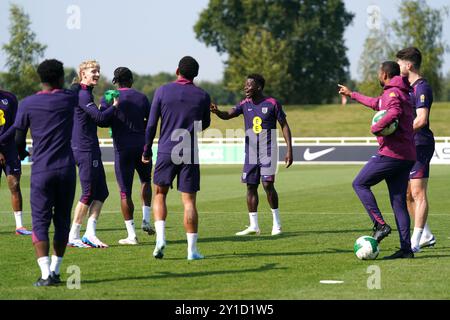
x=86, y=65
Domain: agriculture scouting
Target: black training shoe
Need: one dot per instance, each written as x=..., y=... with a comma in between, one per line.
x=44, y=283
x=401, y=254
x=56, y=277
x=381, y=232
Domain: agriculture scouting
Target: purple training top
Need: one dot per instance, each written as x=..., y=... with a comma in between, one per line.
x=422, y=95
x=130, y=120
x=179, y=104
x=49, y=115
x=8, y=111
x=260, y=119
x=396, y=100
x=86, y=119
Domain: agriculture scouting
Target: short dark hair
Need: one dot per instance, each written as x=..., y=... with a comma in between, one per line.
x=391, y=68
x=412, y=55
x=188, y=67
x=122, y=75
x=259, y=79
x=50, y=71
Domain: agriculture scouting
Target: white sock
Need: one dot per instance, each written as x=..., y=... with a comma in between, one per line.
x=91, y=226
x=18, y=217
x=276, y=218
x=44, y=264
x=75, y=231
x=426, y=232
x=415, y=239
x=192, y=242
x=146, y=214
x=253, y=220
x=160, y=226
x=130, y=228
x=55, y=264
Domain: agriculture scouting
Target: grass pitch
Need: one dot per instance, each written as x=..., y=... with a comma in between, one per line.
x=321, y=218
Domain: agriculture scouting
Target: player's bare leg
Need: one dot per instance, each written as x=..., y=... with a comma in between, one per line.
x=127, y=208
x=419, y=194
x=252, y=205
x=146, y=198
x=410, y=202
x=160, y=215
x=90, y=236
x=272, y=198
x=17, y=202
x=81, y=211
x=191, y=224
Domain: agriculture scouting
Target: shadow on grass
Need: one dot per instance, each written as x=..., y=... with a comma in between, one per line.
x=165, y=275
x=284, y=235
x=276, y=254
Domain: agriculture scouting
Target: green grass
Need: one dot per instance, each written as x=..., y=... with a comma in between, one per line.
x=321, y=219
x=352, y=120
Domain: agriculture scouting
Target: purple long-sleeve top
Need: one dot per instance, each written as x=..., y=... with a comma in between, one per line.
x=179, y=104
x=396, y=100
x=86, y=119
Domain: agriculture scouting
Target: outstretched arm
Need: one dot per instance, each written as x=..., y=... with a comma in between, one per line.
x=224, y=115
x=365, y=100
x=100, y=117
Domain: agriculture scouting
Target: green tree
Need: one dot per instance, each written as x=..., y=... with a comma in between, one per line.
x=445, y=95
x=23, y=53
x=376, y=50
x=421, y=26
x=261, y=53
x=313, y=29
x=148, y=84
x=219, y=93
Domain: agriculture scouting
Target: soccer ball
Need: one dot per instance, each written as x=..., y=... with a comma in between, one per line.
x=366, y=248
x=390, y=129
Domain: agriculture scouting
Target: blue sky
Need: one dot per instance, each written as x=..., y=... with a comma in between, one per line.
x=150, y=36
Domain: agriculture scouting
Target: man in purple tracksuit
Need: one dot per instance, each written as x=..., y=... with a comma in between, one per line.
x=128, y=132
x=395, y=158
x=49, y=116
x=184, y=110
x=410, y=60
x=261, y=115
x=88, y=158
x=9, y=157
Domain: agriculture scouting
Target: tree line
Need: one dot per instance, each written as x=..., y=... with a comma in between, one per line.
x=297, y=45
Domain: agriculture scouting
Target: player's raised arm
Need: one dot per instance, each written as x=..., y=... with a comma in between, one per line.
x=224, y=115
x=100, y=117
x=365, y=100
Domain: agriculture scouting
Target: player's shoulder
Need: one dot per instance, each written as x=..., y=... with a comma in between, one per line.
x=272, y=101
x=9, y=96
x=244, y=102
x=422, y=85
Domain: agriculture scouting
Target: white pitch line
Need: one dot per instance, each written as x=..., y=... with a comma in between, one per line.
x=331, y=281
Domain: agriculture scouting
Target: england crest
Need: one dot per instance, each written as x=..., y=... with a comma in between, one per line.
x=264, y=110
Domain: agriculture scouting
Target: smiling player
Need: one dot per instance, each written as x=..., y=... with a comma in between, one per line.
x=261, y=114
